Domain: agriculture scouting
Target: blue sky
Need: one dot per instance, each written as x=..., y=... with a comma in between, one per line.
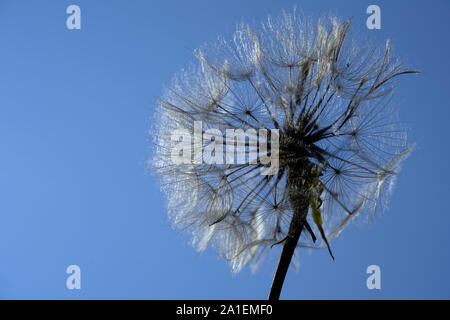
x=75, y=109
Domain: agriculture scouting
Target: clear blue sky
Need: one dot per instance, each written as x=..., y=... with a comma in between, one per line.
x=74, y=114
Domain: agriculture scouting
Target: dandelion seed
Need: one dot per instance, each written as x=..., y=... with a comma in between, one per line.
x=339, y=144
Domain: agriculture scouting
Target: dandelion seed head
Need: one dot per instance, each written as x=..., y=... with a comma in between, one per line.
x=328, y=96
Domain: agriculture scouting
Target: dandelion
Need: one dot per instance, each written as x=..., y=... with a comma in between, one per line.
x=339, y=145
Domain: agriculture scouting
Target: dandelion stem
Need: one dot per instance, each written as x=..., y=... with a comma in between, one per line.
x=295, y=229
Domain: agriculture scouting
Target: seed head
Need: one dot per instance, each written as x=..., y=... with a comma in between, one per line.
x=329, y=99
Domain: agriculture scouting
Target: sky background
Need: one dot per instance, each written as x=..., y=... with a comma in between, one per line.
x=75, y=109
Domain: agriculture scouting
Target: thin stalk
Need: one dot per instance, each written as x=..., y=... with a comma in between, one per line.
x=290, y=243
